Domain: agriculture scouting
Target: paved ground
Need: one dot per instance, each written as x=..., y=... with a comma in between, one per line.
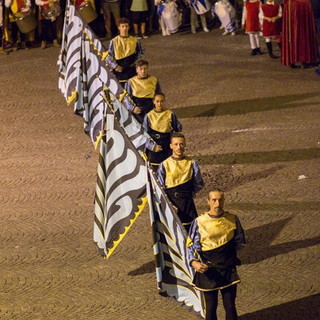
x=253, y=124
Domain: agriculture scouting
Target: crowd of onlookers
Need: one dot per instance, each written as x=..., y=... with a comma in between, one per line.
x=38, y=23
x=41, y=21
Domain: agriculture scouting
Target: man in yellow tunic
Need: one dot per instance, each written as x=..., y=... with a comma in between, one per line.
x=124, y=51
x=181, y=178
x=214, y=238
x=160, y=123
x=142, y=88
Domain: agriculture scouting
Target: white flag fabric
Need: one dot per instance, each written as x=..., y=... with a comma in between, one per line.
x=174, y=274
x=120, y=189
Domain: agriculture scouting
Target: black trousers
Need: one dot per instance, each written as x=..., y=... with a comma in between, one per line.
x=15, y=32
x=48, y=30
x=229, y=302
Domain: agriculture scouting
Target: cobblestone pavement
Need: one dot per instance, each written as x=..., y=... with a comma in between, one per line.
x=252, y=123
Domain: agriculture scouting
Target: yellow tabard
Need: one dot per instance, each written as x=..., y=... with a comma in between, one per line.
x=215, y=232
x=143, y=88
x=160, y=120
x=177, y=171
x=124, y=47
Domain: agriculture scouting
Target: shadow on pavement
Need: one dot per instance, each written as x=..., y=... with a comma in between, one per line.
x=148, y=267
x=292, y=206
x=246, y=106
x=260, y=238
x=260, y=157
x=302, y=309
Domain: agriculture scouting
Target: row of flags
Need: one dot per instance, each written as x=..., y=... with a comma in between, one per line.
x=125, y=183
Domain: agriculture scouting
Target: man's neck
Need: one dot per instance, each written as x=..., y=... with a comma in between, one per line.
x=145, y=77
x=178, y=157
x=215, y=214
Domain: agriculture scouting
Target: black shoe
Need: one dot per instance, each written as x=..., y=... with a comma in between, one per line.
x=259, y=51
x=269, y=47
x=293, y=66
x=254, y=52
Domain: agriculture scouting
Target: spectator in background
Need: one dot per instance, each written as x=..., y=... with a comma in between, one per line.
x=270, y=15
x=18, y=9
x=251, y=24
x=110, y=7
x=49, y=11
x=299, y=38
x=199, y=8
x=169, y=16
x=139, y=12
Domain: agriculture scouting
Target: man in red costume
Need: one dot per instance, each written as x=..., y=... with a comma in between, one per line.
x=299, y=39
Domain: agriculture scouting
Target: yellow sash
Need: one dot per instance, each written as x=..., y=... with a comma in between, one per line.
x=143, y=88
x=160, y=120
x=124, y=47
x=215, y=232
x=177, y=171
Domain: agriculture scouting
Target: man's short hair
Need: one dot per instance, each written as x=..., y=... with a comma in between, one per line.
x=159, y=94
x=177, y=135
x=215, y=190
x=141, y=63
x=123, y=21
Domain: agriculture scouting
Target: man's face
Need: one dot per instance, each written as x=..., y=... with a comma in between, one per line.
x=178, y=146
x=123, y=29
x=142, y=71
x=158, y=102
x=216, y=202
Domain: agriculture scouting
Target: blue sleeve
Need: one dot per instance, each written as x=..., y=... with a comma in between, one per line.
x=110, y=58
x=145, y=123
x=239, y=237
x=161, y=173
x=150, y=144
x=176, y=125
x=127, y=101
x=197, y=177
x=193, y=243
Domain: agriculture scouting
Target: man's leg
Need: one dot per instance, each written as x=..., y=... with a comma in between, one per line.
x=229, y=302
x=211, y=299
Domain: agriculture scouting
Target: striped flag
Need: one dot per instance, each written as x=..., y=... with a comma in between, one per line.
x=121, y=187
x=84, y=77
x=70, y=57
x=174, y=274
x=133, y=129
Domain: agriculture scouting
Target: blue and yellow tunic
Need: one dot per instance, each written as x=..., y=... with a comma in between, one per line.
x=160, y=125
x=124, y=51
x=214, y=240
x=142, y=91
x=181, y=179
